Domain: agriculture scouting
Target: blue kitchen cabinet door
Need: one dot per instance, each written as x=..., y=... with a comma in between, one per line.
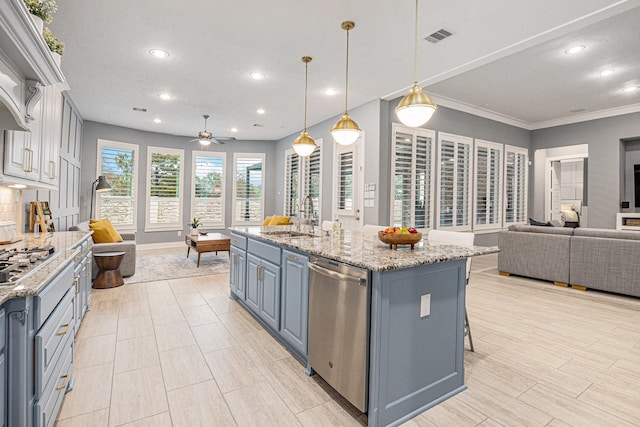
x=269, y=294
x=252, y=298
x=295, y=300
x=237, y=274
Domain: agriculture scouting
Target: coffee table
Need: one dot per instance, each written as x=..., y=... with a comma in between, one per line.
x=211, y=242
x=109, y=276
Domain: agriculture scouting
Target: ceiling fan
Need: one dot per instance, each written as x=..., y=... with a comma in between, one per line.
x=206, y=138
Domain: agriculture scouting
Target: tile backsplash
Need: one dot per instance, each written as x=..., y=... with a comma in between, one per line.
x=9, y=204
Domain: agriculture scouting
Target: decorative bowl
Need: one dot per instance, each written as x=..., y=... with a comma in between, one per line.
x=393, y=240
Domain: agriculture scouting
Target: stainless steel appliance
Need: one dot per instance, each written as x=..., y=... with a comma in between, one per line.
x=18, y=263
x=339, y=327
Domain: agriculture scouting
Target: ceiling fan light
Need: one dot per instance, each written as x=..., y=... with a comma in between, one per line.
x=204, y=141
x=345, y=131
x=416, y=108
x=304, y=145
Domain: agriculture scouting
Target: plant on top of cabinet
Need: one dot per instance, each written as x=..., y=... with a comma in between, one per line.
x=54, y=44
x=43, y=9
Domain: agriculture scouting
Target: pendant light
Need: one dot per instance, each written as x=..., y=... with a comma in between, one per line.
x=416, y=108
x=346, y=131
x=304, y=144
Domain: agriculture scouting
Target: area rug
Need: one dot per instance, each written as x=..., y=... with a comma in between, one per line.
x=172, y=263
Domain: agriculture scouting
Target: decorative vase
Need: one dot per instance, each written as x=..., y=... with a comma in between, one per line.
x=57, y=58
x=194, y=231
x=38, y=22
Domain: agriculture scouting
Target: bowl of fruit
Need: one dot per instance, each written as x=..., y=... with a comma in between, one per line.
x=394, y=236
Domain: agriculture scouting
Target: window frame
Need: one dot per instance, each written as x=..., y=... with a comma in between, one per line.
x=525, y=165
x=430, y=210
x=135, y=148
x=457, y=140
x=500, y=169
x=337, y=151
x=262, y=157
x=180, y=224
x=214, y=155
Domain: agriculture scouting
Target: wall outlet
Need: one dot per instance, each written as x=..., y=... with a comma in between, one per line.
x=179, y=233
x=425, y=305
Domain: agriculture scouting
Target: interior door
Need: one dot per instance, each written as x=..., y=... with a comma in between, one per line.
x=347, y=182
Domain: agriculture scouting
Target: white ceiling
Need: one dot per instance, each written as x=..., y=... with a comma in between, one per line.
x=505, y=60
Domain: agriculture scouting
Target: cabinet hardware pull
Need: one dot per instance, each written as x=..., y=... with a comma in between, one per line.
x=259, y=270
x=293, y=257
x=30, y=160
x=66, y=326
x=52, y=172
x=66, y=382
x=76, y=282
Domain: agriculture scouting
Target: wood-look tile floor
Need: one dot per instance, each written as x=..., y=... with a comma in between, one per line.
x=181, y=353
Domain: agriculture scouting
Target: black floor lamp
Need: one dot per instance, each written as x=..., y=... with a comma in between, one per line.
x=103, y=185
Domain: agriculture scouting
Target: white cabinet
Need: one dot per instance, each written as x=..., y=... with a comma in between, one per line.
x=51, y=135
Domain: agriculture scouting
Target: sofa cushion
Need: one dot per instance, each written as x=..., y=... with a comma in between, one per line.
x=279, y=220
x=607, y=233
x=540, y=223
x=545, y=230
x=104, y=231
x=267, y=220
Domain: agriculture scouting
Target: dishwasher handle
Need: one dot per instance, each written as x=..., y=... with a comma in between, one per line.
x=336, y=275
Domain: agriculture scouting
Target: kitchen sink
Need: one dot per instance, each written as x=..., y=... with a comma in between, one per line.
x=288, y=233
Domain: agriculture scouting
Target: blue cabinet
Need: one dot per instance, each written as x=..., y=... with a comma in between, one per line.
x=263, y=289
x=238, y=259
x=295, y=300
x=82, y=280
x=252, y=297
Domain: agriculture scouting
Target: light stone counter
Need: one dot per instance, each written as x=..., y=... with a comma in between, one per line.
x=365, y=251
x=35, y=280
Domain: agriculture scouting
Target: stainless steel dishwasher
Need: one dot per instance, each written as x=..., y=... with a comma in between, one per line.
x=338, y=327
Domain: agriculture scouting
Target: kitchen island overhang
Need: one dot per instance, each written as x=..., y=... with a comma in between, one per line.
x=416, y=312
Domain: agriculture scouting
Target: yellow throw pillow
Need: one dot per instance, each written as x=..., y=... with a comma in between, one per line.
x=104, y=231
x=279, y=220
x=267, y=220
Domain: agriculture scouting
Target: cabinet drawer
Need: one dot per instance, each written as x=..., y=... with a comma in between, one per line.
x=265, y=251
x=47, y=300
x=47, y=407
x=50, y=340
x=238, y=241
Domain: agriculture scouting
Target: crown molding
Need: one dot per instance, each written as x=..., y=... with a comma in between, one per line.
x=584, y=117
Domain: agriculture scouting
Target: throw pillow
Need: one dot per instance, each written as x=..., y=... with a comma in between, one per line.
x=267, y=220
x=540, y=223
x=104, y=231
x=279, y=220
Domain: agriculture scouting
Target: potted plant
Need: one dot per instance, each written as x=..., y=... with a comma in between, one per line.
x=194, y=224
x=55, y=46
x=41, y=11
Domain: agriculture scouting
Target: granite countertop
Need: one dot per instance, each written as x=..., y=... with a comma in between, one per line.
x=365, y=251
x=66, y=246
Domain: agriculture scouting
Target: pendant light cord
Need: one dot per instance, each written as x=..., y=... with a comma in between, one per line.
x=346, y=80
x=306, y=79
x=415, y=49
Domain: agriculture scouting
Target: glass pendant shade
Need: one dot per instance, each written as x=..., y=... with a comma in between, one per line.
x=416, y=108
x=304, y=144
x=204, y=141
x=345, y=131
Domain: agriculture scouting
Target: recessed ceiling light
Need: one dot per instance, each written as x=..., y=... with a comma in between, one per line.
x=234, y=130
x=165, y=96
x=574, y=49
x=331, y=91
x=260, y=111
x=630, y=89
x=159, y=53
x=607, y=72
x=157, y=120
x=256, y=75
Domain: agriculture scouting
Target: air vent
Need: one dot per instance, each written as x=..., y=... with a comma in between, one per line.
x=258, y=125
x=140, y=109
x=439, y=35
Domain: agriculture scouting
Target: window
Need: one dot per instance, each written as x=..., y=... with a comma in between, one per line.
x=302, y=177
x=515, y=184
x=413, y=177
x=344, y=182
x=118, y=161
x=488, y=185
x=207, y=203
x=248, y=188
x=164, y=189
x=454, y=190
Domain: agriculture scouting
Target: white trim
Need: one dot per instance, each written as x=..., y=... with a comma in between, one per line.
x=135, y=148
x=584, y=117
x=148, y=227
x=216, y=155
x=490, y=146
x=457, y=140
x=262, y=157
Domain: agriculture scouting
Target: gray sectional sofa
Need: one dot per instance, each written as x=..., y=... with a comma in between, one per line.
x=607, y=260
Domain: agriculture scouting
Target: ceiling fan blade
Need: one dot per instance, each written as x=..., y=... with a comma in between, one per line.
x=217, y=141
x=193, y=140
x=225, y=138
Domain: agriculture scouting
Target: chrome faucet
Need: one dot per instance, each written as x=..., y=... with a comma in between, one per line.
x=307, y=205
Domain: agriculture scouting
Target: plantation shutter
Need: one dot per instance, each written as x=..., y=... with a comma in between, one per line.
x=116, y=163
x=455, y=181
x=344, y=192
x=291, y=184
x=488, y=185
x=516, y=176
x=249, y=189
x=164, y=184
x=208, y=194
x=312, y=179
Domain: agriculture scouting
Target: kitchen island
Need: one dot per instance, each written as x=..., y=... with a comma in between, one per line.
x=414, y=313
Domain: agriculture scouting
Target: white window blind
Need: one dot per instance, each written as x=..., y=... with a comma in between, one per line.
x=516, y=181
x=291, y=183
x=455, y=187
x=164, y=189
x=208, y=192
x=344, y=193
x=312, y=178
x=488, y=185
x=413, y=177
x=248, y=188
x=118, y=161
